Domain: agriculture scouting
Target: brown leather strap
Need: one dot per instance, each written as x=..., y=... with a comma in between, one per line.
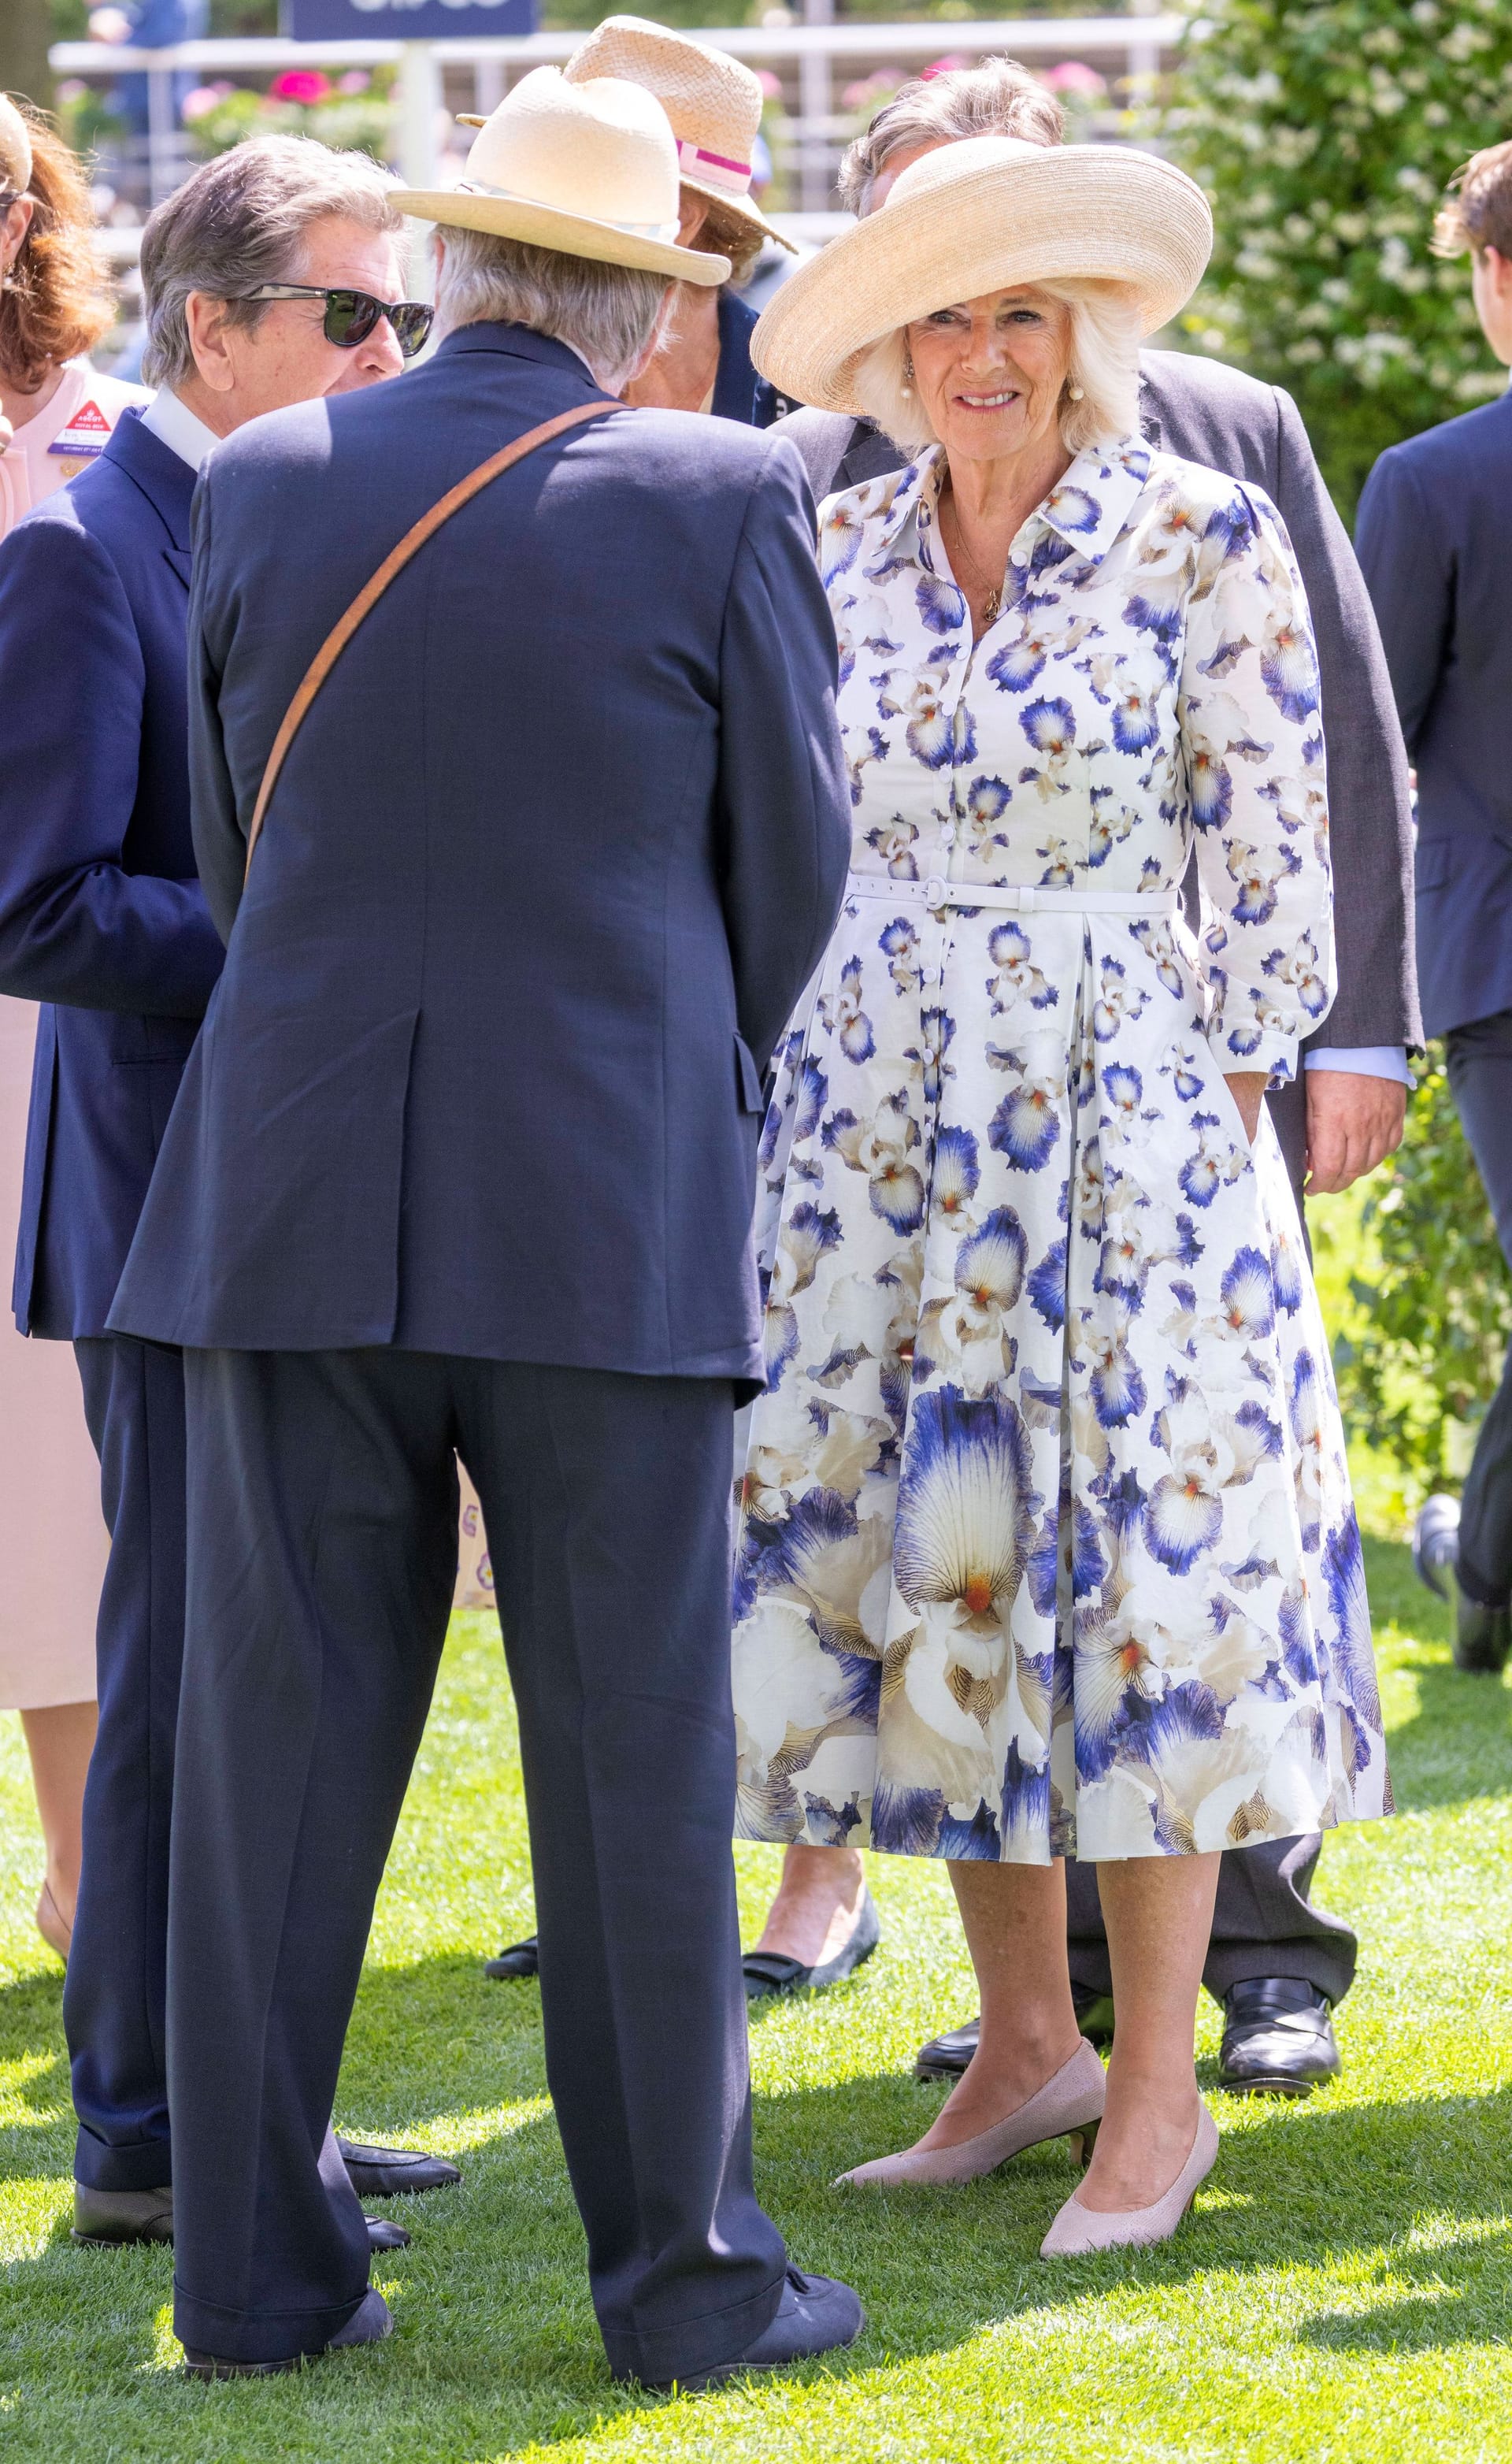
x=368, y=597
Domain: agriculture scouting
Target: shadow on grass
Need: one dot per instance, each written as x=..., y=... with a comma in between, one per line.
x=497, y=2340
x=1457, y=1744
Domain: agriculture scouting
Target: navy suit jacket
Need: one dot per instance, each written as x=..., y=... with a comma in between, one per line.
x=548, y=864
x=1434, y=538
x=102, y=917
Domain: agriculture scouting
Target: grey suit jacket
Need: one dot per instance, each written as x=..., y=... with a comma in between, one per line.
x=1216, y=415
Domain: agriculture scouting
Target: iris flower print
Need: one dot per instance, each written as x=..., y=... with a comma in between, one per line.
x=1308, y=1441
x=1158, y=944
x=1299, y=968
x=893, y=842
x=837, y=1567
x=1289, y=667
x=1158, y=605
x=941, y=606
x=1112, y=824
x=1114, y=1382
x=1351, y=1645
x=966, y=1510
x=1046, y=1287
x=801, y=1445
x=1017, y=978
x=1136, y=718
x=1026, y=1126
x=936, y=1028
x=1060, y=863
x=1071, y=509
x=1015, y=667
x=1049, y=725
x=1239, y=1653
x=1199, y=1770
x=805, y=1237
x=1256, y=876
x=1117, y=1000
x=967, y=1334
x=846, y=1021
x=1285, y=1266
x=840, y=536
x=1217, y=1163
x=1025, y=1800
x=881, y=1149
x=987, y=800
x=955, y=1178
x=1249, y=1303
x=1212, y=787
x=899, y=944
x=871, y=745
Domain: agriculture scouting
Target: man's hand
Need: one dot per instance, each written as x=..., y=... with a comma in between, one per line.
x=1352, y=1121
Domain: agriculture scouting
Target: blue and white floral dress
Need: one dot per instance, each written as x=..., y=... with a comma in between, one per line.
x=1046, y=1541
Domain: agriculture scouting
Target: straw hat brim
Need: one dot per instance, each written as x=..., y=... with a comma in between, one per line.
x=1099, y=214
x=743, y=210
x=570, y=235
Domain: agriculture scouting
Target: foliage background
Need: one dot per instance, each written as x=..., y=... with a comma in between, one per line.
x=1324, y=132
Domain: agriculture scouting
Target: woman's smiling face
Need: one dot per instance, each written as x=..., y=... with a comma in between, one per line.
x=990, y=373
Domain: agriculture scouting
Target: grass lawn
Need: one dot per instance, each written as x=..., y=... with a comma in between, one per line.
x=1341, y=2293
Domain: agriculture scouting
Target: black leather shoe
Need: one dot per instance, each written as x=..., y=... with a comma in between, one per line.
x=1436, y=1543
x=394, y=2173
x=368, y=2326
x=516, y=1959
x=945, y=2056
x=106, y=2218
x=817, y=2314
x=1483, y=1637
x=772, y=1971
x=1280, y=2039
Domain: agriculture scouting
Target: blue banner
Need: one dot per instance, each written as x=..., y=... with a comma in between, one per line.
x=323, y=21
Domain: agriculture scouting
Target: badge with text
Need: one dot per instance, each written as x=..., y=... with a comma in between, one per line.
x=426, y=21
x=88, y=432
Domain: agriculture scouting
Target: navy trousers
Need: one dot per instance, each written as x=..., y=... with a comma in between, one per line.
x=1263, y=1923
x=1480, y=1063
x=113, y=1997
x=322, y=1551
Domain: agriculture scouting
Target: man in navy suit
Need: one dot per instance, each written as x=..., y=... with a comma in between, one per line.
x=103, y=921
x=1434, y=536
x=464, y=1161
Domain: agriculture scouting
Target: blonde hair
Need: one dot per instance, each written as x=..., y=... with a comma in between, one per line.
x=1477, y=213
x=1104, y=362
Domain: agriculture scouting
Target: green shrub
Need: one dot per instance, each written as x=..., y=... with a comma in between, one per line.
x=1324, y=132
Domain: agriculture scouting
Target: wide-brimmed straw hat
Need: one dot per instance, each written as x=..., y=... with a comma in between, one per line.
x=15, y=150
x=985, y=214
x=589, y=170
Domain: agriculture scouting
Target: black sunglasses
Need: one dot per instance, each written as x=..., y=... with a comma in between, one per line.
x=351, y=316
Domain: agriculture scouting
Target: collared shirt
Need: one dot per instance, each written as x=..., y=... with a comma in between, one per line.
x=177, y=427
x=1151, y=681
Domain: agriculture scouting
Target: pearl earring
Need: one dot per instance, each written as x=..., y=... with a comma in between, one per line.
x=1075, y=393
x=908, y=376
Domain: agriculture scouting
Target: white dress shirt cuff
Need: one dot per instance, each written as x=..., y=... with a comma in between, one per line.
x=1368, y=1061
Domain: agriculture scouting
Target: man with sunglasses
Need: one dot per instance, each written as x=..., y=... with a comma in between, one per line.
x=272, y=277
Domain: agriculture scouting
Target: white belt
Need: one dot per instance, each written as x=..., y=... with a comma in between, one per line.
x=1018, y=900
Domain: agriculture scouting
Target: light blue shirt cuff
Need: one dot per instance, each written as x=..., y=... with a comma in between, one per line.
x=1368, y=1061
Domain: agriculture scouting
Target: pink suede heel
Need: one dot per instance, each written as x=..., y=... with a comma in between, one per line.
x=1069, y=2101
x=1077, y=2230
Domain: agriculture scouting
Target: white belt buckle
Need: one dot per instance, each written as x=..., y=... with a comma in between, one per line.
x=934, y=892
x=1027, y=901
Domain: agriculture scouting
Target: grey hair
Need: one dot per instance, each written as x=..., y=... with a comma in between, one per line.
x=606, y=313
x=239, y=222
x=997, y=98
x=1103, y=362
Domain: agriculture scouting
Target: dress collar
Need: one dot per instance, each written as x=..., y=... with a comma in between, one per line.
x=1088, y=509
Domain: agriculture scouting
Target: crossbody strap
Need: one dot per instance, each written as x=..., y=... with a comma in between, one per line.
x=394, y=563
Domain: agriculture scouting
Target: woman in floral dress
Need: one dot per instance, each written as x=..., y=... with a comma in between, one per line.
x=1047, y=1543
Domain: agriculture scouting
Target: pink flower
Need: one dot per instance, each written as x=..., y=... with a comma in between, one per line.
x=301, y=85
x=354, y=82
x=1074, y=76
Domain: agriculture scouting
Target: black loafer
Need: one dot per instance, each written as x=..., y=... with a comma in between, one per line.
x=383, y=2235
x=772, y=1971
x=1483, y=1637
x=817, y=2314
x=105, y=2218
x=1280, y=2039
x=516, y=1959
x=394, y=2173
x=945, y=2056
x=1436, y=1543
x=368, y=2324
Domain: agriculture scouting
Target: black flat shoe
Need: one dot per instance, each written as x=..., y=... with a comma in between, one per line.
x=1483, y=1637
x=394, y=2173
x=772, y=1971
x=817, y=2314
x=946, y=2057
x=516, y=1959
x=368, y=2324
x=383, y=2235
x=106, y=2219
x=1280, y=2039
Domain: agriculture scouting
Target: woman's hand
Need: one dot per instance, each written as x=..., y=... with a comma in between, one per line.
x=1247, y=1087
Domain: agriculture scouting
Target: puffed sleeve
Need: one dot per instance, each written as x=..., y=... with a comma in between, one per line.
x=1251, y=735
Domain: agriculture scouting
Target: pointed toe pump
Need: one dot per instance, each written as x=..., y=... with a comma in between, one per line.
x=1077, y=2230
x=1068, y=2105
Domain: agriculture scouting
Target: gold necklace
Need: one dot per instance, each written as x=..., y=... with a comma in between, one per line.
x=991, y=606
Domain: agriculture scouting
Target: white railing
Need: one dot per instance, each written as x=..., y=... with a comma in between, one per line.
x=1133, y=46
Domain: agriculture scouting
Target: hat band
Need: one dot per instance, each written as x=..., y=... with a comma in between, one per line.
x=716, y=169
x=664, y=232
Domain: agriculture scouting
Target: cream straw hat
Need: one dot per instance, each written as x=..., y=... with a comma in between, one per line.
x=15, y=150
x=589, y=170
x=982, y=215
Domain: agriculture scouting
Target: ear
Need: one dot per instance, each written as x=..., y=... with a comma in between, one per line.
x=14, y=224
x=206, y=320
